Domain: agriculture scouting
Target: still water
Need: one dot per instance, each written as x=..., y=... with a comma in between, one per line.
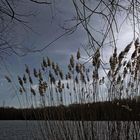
x=19, y=130
x=69, y=130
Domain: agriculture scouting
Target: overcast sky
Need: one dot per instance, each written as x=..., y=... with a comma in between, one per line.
x=46, y=26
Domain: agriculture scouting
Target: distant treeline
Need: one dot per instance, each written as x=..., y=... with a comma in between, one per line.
x=115, y=110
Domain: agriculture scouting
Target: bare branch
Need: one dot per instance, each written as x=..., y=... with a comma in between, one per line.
x=40, y=2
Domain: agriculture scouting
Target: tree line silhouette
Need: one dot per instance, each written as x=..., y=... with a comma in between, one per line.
x=125, y=109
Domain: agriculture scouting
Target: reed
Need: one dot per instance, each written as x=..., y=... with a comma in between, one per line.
x=49, y=86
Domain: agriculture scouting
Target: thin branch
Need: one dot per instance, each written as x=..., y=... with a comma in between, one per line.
x=40, y=2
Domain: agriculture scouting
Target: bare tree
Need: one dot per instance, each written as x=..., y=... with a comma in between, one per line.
x=103, y=19
x=9, y=18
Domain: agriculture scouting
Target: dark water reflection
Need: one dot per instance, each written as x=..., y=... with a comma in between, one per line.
x=69, y=130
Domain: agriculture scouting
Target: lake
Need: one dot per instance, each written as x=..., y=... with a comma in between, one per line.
x=69, y=130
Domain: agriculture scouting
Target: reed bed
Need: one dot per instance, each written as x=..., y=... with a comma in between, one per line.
x=82, y=83
x=50, y=86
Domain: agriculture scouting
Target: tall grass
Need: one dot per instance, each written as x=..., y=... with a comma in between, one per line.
x=82, y=83
x=51, y=86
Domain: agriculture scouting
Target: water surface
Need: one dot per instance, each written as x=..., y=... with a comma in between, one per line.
x=69, y=130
